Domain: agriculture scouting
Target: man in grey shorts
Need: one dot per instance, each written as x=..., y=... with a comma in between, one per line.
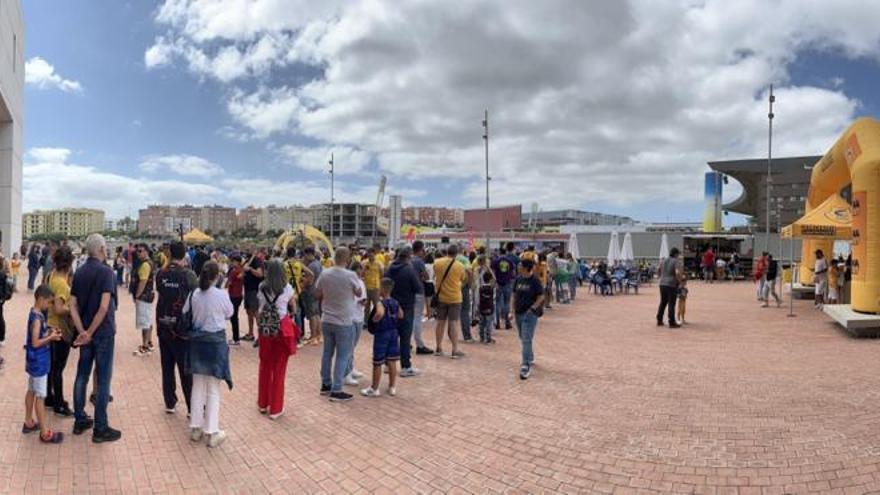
x=450, y=275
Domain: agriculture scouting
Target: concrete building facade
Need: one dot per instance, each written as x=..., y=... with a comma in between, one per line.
x=70, y=222
x=164, y=220
x=11, y=123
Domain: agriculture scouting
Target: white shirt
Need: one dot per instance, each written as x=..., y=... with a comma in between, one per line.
x=820, y=266
x=357, y=315
x=280, y=303
x=429, y=267
x=337, y=286
x=210, y=309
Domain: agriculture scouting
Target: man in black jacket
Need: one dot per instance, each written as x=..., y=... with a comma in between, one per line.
x=406, y=285
x=173, y=285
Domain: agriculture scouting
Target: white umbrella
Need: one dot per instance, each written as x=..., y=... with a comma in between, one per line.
x=664, y=246
x=573, y=246
x=626, y=252
x=613, y=249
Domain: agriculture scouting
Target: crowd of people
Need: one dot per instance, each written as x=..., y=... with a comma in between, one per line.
x=184, y=299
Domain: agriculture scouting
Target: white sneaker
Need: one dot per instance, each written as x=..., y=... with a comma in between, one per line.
x=196, y=434
x=216, y=439
x=276, y=415
x=392, y=391
x=349, y=380
x=370, y=392
x=357, y=374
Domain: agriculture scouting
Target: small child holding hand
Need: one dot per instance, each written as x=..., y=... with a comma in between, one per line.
x=37, y=359
x=386, y=342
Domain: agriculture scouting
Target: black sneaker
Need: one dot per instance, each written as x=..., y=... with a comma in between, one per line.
x=424, y=350
x=79, y=427
x=106, y=435
x=659, y=323
x=63, y=411
x=674, y=325
x=497, y=325
x=524, y=372
x=325, y=389
x=507, y=325
x=340, y=397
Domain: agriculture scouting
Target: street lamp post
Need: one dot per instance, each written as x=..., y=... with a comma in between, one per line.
x=488, y=178
x=332, y=194
x=771, y=99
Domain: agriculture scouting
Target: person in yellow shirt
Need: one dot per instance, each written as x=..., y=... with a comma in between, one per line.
x=373, y=271
x=59, y=310
x=449, y=276
x=380, y=255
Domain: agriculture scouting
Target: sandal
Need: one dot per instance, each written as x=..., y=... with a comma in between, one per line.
x=54, y=437
x=30, y=429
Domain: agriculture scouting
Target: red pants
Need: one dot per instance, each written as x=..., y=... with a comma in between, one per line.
x=274, y=354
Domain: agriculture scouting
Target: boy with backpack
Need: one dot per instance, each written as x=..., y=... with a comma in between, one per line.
x=486, y=306
x=386, y=343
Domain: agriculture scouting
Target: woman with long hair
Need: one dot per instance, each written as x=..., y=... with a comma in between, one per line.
x=276, y=305
x=208, y=356
x=59, y=317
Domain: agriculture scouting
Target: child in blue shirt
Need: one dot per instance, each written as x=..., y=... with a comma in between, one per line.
x=386, y=343
x=37, y=362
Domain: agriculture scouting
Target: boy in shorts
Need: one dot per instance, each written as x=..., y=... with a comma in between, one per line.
x=386, y=342
x=37, y=362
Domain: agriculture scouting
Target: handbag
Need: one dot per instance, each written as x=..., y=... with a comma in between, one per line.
x=184, y=325
x=290, y=333
x=436, y=300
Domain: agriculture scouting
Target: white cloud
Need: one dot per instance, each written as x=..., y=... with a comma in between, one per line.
x=617, y=102
x=51, y=180
x=346, y=160
x=266, y=111
x=41, y=74
x=181, y=165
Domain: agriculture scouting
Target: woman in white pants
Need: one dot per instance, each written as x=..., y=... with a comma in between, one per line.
x=208, y=356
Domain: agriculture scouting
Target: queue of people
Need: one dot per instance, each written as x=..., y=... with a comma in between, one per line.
x=292, y=300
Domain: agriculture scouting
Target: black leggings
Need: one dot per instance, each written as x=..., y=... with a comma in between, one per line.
x=668, y=296
x=236, y=303
x=55, y=391
x=2, y=324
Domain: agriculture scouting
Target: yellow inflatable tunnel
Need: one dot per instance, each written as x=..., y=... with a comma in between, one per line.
x=853, y=160
x=302, y=235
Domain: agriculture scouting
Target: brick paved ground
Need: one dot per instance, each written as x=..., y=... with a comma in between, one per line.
x=742, y=400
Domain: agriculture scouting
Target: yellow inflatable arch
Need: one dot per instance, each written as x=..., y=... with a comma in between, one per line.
x=853, y=160
x=302, y=235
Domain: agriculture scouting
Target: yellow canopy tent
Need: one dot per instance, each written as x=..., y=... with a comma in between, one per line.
x=830, y=220
x=302, y=234
x=196, y=236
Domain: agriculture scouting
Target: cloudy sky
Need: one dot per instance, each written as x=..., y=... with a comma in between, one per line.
x=610, y=106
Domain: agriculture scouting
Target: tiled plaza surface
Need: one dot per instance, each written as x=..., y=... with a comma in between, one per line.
x=741, y=400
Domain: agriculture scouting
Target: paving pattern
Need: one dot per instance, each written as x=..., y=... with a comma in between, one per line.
x=741, y=400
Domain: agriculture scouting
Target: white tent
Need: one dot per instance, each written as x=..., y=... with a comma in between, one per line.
x=613, y=249
x=664, y=247
x=573, y=246
x=626, y=252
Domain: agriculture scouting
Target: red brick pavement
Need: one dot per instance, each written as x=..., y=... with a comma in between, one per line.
x=741, y=400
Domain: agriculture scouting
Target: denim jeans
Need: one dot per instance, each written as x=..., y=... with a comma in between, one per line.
x=502, y=303
x=338, y=340
x=100, y=353
x=466, y=312
x=358, y=328
x=485, y=328
x=561, y=296
x=405, y=330
x=526, y=323
x=418, y=311
x=572, y=287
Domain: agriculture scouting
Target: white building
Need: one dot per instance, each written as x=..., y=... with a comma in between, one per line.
x=11, y=123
